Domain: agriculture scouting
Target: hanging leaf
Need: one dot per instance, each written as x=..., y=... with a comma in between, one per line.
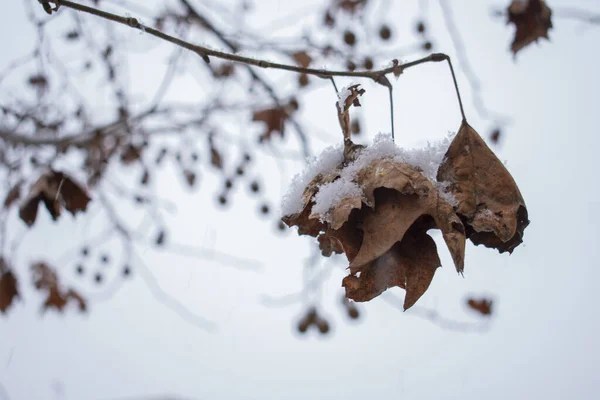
x=382, y=229
x=489, y=201
x=8, y=287
x=13, y=195
x=274, y=118
x=54, y=189
x=532, y=19
x=131, y=154
x=302, y=59
x=482, y=306
x=45, y=279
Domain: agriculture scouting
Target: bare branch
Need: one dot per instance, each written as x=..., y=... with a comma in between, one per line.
x=435, y=317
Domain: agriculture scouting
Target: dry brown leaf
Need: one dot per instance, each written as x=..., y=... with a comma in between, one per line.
x=307, y=225
x=489, y=201
x=13, y=195
x=131, y=154
x=409, y=264
x=383, y=227
x=372, y=229
x=302, y=59
x=482, y=306
x=216, y=160
x=74, y=197
x=45, y=279
x=343, y=114
x=386, y=225
x=8, y=287
x=54, y=189
x=350, y=6
x=329, y=245
x=532, y=19
x=274, y=118
x=44, y=190
x=190, y=177
x=224, y=70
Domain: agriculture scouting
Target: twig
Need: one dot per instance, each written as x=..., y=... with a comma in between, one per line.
x=334, y=85
x=205, y=52
x=577, y=14
x=171, y=302
x=213, y=255
x=392, y=111
x=270, y=90
x=77, y=139
x=3, y=393
x=462, y=110
x=434, y=317
x=463, y=60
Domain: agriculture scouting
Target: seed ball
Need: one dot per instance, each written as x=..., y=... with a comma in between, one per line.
x=385, y=32
x=349, y=38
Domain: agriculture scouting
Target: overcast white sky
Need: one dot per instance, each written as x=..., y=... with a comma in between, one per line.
x=541, y=342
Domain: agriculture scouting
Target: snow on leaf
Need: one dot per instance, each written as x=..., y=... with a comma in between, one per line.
x=377, y=203
x=327, y=161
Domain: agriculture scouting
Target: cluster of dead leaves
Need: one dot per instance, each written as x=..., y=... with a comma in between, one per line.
x=45, y=279
x=53, y=188
x=532, y=19
x=383, y=231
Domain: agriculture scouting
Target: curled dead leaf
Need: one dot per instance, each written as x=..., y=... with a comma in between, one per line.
x=8, y=287
x=13, y=195
x=329, y=245
x=483, y=306
x=490, y=204
x=378, y=209
x=45, y=279
x=302, y=59
x=532, y=19
x=54, y=189
x=274, y=118
x=382, y=229
x=131, y=154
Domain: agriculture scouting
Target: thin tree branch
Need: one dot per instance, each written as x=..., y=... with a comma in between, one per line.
x=463, y=60
x=206, y=52
x=171, y=302
x=392, y=111
x=77, y=139
x=435, y=317
x=577, y=14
